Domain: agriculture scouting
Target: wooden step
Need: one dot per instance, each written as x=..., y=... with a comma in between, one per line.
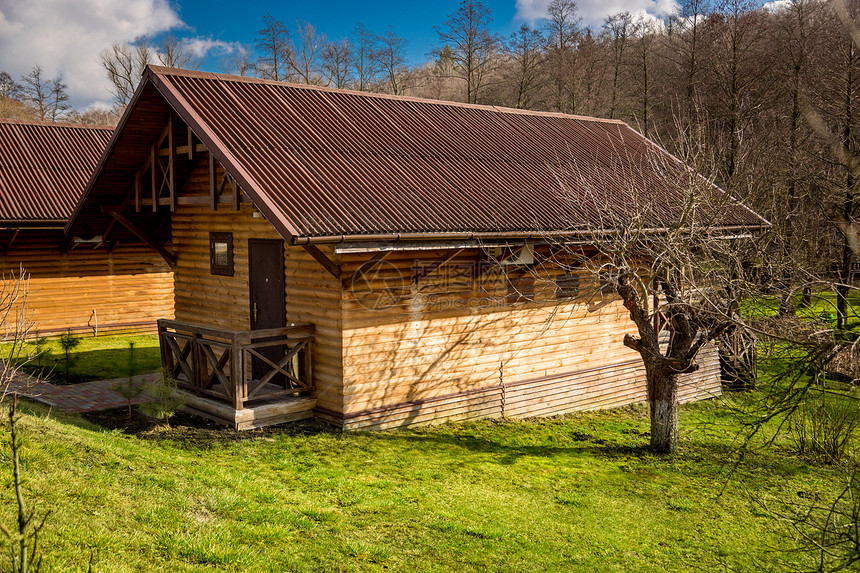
x=269, y=413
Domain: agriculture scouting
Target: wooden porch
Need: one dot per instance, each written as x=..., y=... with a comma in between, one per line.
x=246, y=379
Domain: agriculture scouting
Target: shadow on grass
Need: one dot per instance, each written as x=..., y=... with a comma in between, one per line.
x=90, y=365
x=503, y=442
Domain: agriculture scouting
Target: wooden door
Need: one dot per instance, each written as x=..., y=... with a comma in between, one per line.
x=268, y=301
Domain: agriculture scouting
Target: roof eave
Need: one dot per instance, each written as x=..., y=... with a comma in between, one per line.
x=57, y=224
x=494, y=235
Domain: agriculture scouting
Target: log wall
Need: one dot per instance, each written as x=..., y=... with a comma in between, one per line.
x=124, y=289
x=450, y=346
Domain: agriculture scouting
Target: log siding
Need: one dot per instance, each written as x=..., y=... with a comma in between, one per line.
x=453, y=346
x=126, y=288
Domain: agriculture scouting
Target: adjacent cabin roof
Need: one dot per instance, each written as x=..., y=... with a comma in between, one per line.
x=326, y=164
x=44, y=169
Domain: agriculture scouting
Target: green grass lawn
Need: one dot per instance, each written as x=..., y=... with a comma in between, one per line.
x=578, y=493
x=95, y=358
x=822, y=308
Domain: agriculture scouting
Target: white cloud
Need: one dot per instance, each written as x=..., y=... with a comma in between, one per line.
x=66, y=36
x=202, y=47
x=593, y=12
x=777, y=5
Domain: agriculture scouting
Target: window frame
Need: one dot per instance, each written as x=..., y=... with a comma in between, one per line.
x=214, y=267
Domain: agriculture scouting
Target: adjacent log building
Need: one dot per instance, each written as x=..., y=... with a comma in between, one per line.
x=90, y=283
x=376, y=261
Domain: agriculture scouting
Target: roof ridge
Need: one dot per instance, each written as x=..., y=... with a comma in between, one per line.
x=47, y=123
x=162, y=70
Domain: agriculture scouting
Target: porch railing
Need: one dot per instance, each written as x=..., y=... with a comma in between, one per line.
x=220, y=364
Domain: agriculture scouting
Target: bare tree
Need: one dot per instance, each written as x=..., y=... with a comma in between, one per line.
x=562, y=28
x=471, y=46
x=172, y=53
x=336, y=60
x=526, y=72
x=237, y=63
x=11, y=104
x=686, y=45
x=644, y=45
x=95, y=115
x=592, y=59
x=304, y=58
x=124, y=63
x=741, y=78
x=9, y=88
x=48, y=97
x=392, y=58
x=273, y=46
x=837, y=120
x=793, y=212
x=365, y=60
x=677, y=278
x=15, y=325
x=618, y=28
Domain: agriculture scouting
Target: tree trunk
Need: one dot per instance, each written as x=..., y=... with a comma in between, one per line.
x=843, y=289
x=663, y=401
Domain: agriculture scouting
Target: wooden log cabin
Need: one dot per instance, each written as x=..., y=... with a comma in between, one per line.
x=90, y=283
x=372, y=260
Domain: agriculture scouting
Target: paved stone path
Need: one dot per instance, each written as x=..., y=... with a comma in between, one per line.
x=85, y=397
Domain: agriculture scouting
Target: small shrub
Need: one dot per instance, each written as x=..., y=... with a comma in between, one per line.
x=68, y=342
x=129, y=390
x=823, y=425
x=40, y=350
x=165, y=402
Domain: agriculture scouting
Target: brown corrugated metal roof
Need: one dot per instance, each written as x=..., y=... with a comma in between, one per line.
x=44, y=168
x=322, y=162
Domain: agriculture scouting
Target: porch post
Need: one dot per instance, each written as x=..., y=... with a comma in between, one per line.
x=237, y=373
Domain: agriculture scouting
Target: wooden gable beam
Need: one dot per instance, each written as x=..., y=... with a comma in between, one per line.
x=329, y=265
x=216, y=188
x=109, y=229
x=11, y=241
x=190, y=143
x=152, y=162
x=236, y=198
x=171, y=164
x=115, y=212
x=213, y=192
x=137, y=197
x=363, y=269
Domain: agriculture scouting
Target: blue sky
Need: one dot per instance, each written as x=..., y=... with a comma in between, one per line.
x=337, y=18
x=66, y=36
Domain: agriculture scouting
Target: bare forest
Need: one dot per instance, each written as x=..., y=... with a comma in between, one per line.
x=765, y=101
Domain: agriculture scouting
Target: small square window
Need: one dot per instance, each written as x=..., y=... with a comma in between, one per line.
x=567, y=286
x=221, y=253
x=521, y=287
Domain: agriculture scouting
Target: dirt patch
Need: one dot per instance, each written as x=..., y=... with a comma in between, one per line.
x=196, y=431
x=137, y=423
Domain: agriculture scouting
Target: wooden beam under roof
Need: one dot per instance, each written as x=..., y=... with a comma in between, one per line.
x=11, y=241
x=329, y=265
x=119, y=217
